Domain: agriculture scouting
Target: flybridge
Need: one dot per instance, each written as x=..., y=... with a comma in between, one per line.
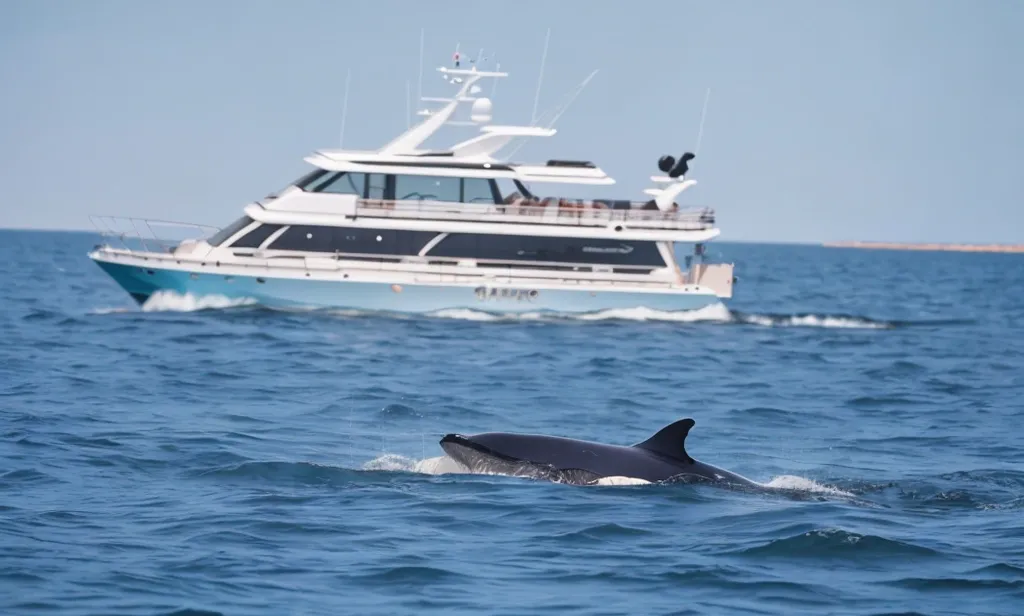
x=477, y=155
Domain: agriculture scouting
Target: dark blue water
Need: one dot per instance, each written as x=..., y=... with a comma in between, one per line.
x=248, y=461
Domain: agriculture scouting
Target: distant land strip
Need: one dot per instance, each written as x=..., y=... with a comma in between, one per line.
x=946, y=247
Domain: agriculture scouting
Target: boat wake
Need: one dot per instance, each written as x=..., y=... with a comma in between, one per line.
x=715, y=313
x=169, y=301
x=166, y=301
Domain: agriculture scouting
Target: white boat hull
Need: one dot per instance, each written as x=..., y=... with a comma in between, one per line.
x=142, y=278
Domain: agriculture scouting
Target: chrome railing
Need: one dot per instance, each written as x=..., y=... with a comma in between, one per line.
x=138, y=233
x=551, y=211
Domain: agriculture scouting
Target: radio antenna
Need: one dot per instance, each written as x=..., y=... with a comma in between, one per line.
x=408, y=104
x=540, y=78
x=497, y=69
x=557, y=111
x=703, y=112
x=419, y=86
x=344, y=109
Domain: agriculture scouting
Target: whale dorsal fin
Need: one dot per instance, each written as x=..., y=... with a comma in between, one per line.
x=670, y=441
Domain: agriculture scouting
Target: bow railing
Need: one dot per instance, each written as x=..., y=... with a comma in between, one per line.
x=149, y=234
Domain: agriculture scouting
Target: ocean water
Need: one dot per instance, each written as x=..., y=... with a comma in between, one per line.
x=194, y=457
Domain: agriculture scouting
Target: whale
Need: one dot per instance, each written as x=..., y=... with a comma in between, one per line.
x=662, y=458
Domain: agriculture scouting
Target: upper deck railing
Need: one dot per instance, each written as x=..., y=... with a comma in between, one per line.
x=551, y=211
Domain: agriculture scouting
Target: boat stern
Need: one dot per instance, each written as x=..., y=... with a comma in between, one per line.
x=715, y=276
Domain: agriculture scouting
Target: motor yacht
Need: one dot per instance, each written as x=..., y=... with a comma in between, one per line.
x=412, y=229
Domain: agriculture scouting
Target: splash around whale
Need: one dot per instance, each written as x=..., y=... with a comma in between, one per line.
x=662, y=458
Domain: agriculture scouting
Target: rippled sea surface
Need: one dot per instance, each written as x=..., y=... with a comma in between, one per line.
x=239, y=460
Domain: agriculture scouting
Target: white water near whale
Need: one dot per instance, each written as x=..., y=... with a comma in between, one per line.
x=445, y=465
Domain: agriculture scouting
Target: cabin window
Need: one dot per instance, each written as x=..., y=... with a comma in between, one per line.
x=307, y=238
x=317, y=184
x=377, y=186
x=310, y=177
x=257, y=236
x=343, y=184
x=427, y=188
x=218, y=238
x=477, y=190
x=548, y=249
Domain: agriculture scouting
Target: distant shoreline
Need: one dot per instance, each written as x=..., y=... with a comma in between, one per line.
x=932, y=247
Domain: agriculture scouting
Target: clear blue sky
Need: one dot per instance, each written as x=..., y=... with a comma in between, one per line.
x=879, y=120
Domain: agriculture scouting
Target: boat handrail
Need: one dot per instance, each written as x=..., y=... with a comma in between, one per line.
x=554, y=211
x=127, y=228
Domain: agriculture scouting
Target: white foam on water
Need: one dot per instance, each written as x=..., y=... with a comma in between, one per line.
x=439, y=465
x=801, y=484
x=714, y=313
x=102, y=311
x=170, y=301
x=813, y=320
x=467, y=314
x=390, y=462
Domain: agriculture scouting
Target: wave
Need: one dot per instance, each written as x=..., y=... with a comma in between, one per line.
x=793, y=483
x=811, y=320
x=408, y=575
x=713, y=313
x=169, y=301
x=111, y=310
x=440, y=465
x=834, y=543
x=281, y=472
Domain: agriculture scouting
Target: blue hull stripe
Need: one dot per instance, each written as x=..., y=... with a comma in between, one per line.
x=141, y=282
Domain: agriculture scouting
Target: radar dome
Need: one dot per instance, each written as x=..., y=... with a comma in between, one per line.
x=481, y=110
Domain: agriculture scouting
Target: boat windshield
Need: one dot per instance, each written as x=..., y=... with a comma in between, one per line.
x=218, y=238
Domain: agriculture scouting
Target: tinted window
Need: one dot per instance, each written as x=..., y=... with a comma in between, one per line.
x=554, y=249
x=218, y=238
x=477, y=190
x=317, y=183
x=352, y=240
x=309, y=178
x=343, y=184
x=426, y=187
x=257, y=236
x=377, y=186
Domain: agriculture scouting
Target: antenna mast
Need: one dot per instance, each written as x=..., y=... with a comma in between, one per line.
x=558, y=110
x=344, y=109
x=408, y=105
x=419, y=86
x=540, y=78
x=497, y=69
x=703, y=112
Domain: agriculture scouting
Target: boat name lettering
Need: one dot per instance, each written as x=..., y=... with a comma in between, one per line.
x=499, y=293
